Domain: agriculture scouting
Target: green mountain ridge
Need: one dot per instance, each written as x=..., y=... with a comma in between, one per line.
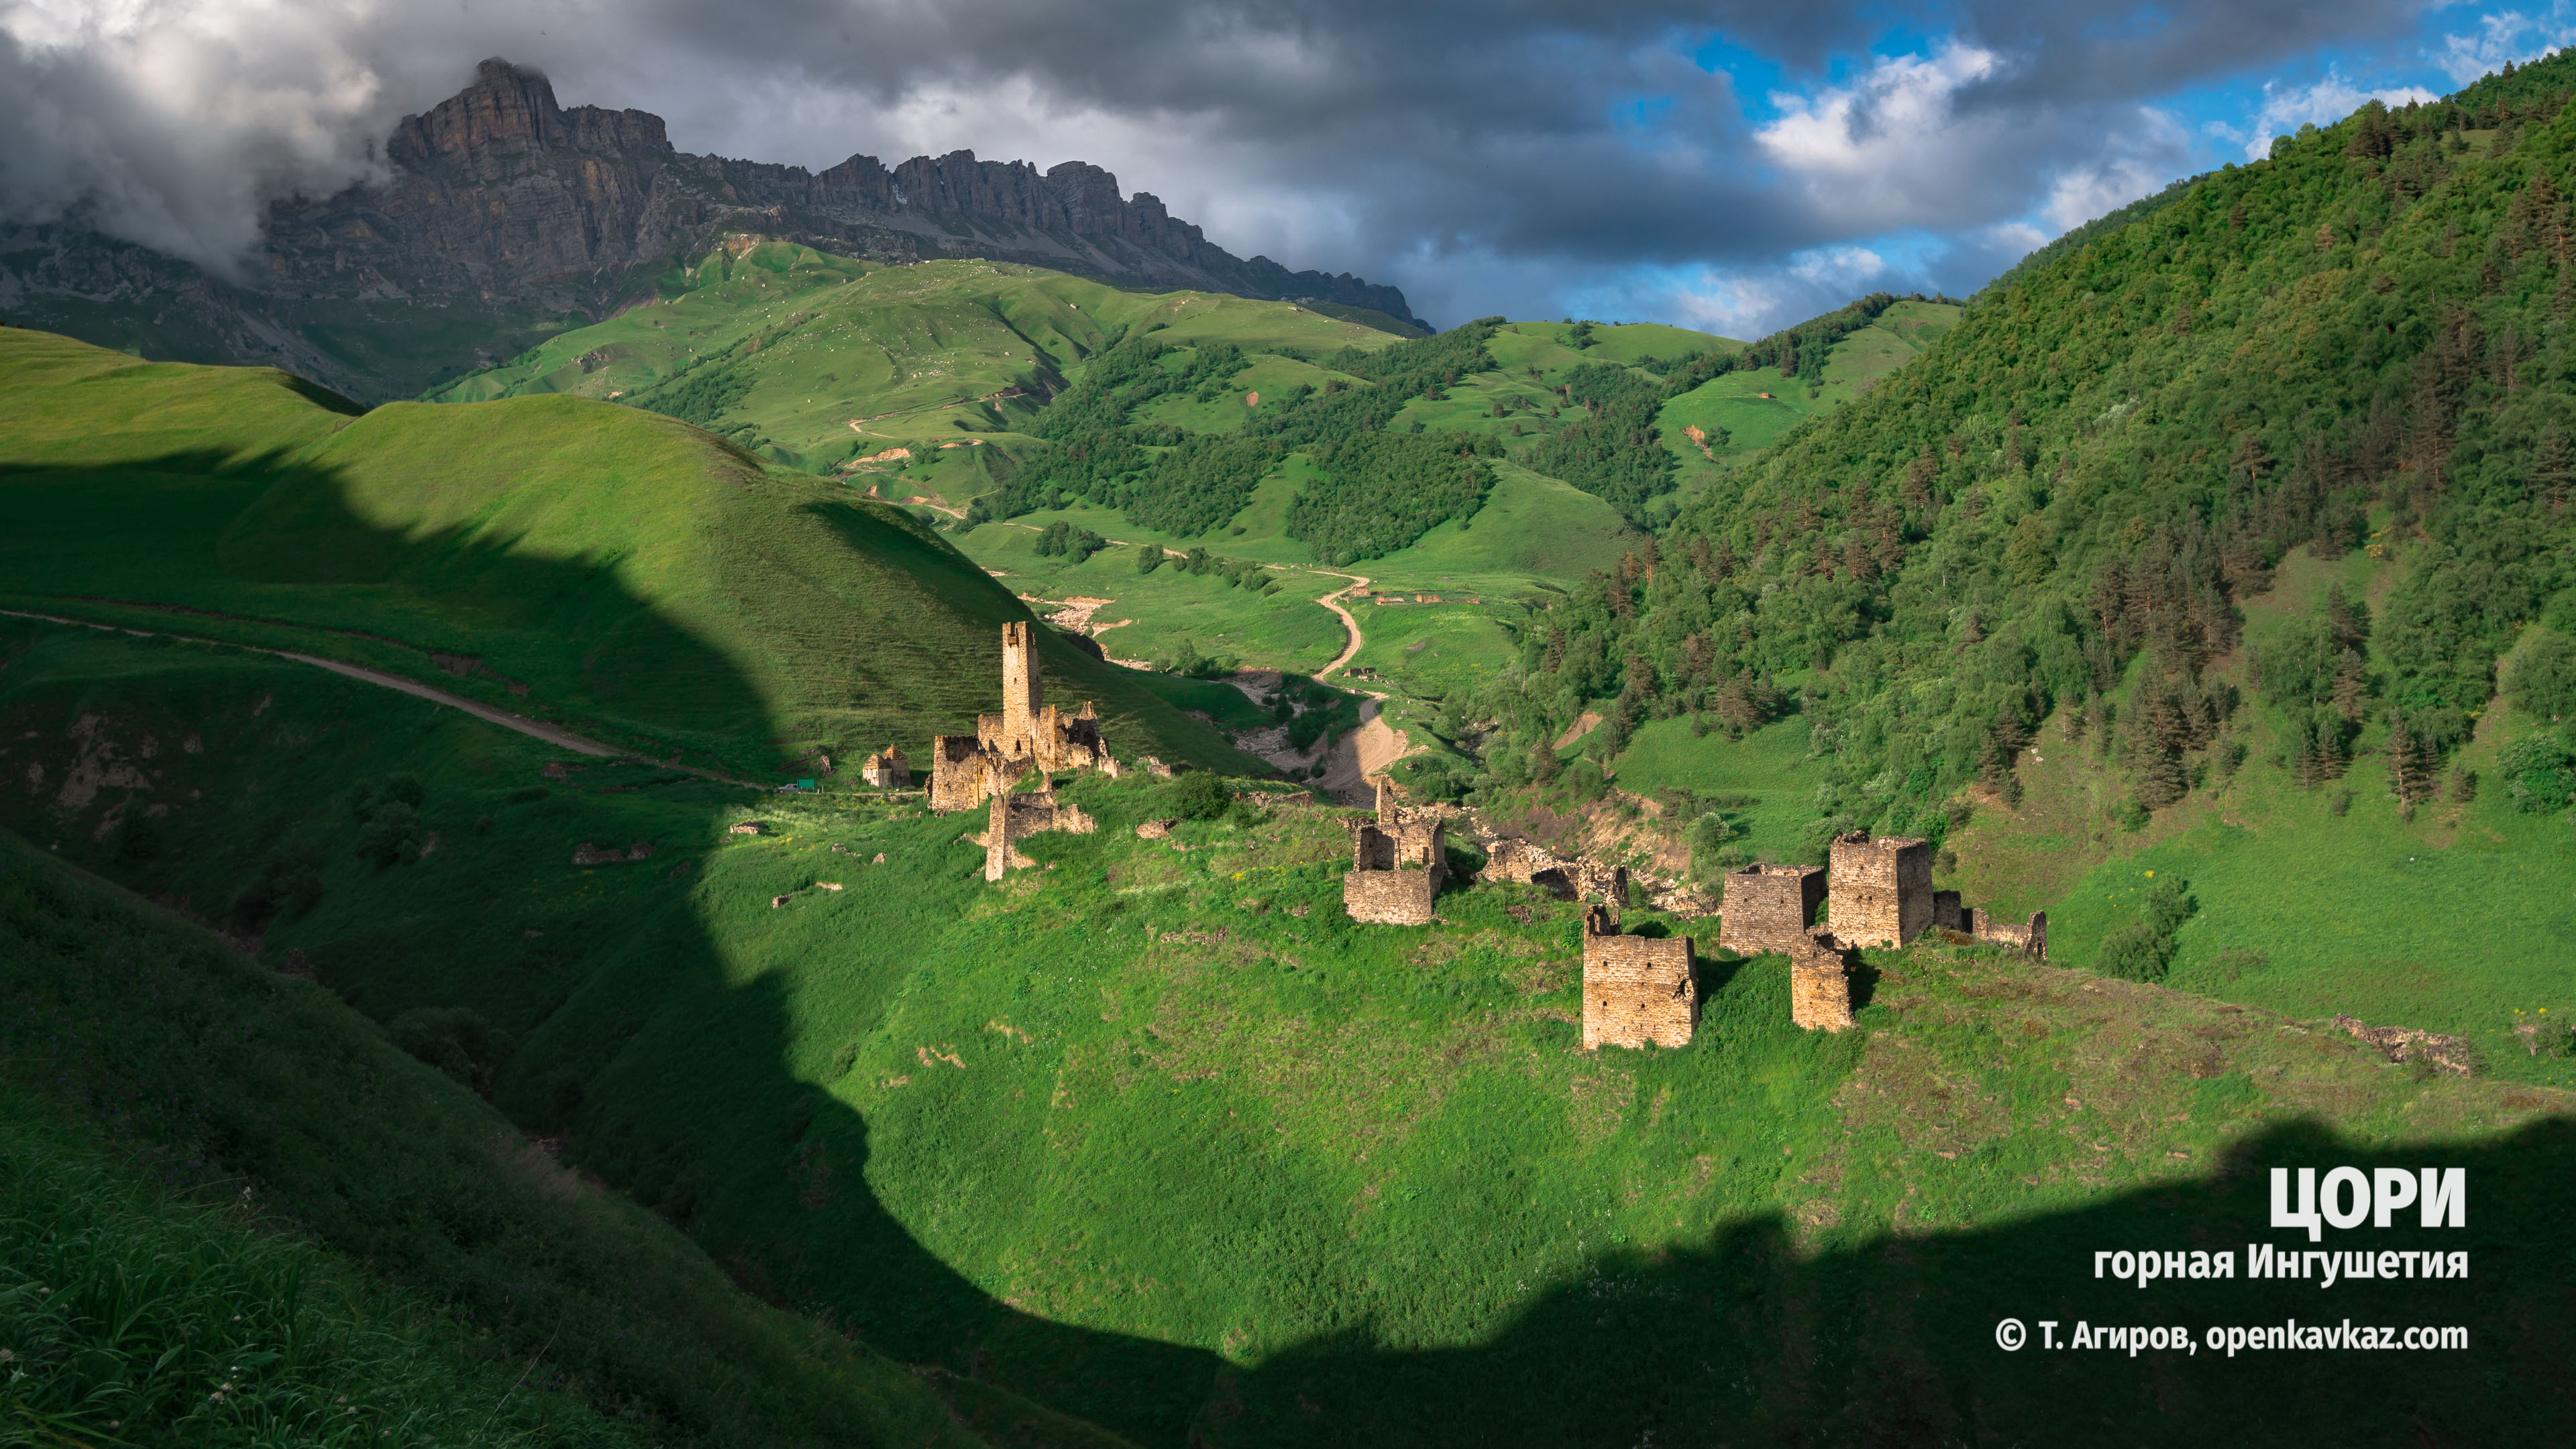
x=622, y=572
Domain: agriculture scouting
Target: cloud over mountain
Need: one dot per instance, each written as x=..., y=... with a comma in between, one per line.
x=1470, y=153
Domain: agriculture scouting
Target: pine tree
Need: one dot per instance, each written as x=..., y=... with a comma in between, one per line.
x=2410, y=763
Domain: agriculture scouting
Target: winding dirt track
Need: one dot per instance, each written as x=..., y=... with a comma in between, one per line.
x=1350, y=625
x=533, y=728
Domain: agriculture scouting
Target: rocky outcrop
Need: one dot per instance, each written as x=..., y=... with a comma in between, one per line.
x=501, y=201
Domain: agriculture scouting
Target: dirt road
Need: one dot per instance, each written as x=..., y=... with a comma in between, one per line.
x=533, y=728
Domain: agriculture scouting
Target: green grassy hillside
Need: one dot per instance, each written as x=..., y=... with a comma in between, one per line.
x=239, y=1215
x=1741, y=413
x=2203, y=546
x=816, y=360
x=1157, y=1137
x=621, y=572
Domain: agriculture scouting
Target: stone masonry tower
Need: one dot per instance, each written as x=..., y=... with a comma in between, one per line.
x=1879, y=892
x=1023, y=690
x=1636, y=989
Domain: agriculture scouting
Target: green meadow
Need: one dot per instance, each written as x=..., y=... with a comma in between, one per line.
x=1152, y=1135
x=1756, y=409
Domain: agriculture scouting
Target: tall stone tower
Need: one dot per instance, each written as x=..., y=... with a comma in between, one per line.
x=1023, y=691
x=1879, y=892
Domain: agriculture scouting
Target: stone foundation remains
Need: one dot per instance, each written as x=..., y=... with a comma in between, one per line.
x=1769, y=907
x=1819, y=982
x=1397, y=865
x=1636, y=989
x=1880, y=890
x=1579, y=879
x=1029, y=734
x=2400, y=1044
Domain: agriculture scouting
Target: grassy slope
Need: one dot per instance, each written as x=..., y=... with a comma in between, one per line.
x=903, y=352
x=643, y=581
x=494, y=1261
x=1734, y=402
x=2357, y=911
x=1158, y=1137
x=130, y=1310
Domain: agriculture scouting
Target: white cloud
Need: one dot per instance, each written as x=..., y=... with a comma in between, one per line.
x=2286, y=108
x=2134, y=161
x=1885, y=145
x=2506, y=36
x=1745, y=302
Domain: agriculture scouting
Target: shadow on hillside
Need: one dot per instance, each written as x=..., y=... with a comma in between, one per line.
x=686, y=1098
x=856, y=617
x=681, y=1091
x=1741, y=1341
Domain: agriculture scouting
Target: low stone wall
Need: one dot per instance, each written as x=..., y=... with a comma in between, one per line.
x=2401, y=1044
x=2030, y=936
x=1577, y=879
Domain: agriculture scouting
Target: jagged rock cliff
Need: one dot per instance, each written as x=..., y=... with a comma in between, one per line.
x=505, y=217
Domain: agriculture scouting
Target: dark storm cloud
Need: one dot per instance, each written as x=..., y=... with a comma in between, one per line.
x=1424, y=143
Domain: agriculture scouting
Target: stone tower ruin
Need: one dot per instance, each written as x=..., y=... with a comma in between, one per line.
x=1819, y=983
x=1029, y=734
x=1398, y=862
x=1023, y=687
x=1880, y=890
x=1769, y=907
x=1636, y=989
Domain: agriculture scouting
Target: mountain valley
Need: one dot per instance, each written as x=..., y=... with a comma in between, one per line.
x=437, y=862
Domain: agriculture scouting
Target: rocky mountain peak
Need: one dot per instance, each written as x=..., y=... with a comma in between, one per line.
x=509, y=111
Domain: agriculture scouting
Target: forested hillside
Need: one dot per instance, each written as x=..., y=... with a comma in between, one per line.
x=2358, y=343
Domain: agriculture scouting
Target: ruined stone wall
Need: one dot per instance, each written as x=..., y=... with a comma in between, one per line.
x=1819, y=983
x=1637, y=990
x=1009, y=818
x=2030, y=936
x=998, y=855
x=1947, y=914
x=1769, y=907
x=1372, y=849
x=1391, y=897
x=1880, y=891
x=1580, y=879
x=960, y=773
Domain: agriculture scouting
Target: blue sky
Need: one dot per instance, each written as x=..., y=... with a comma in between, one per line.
x=2227, y=117
x=1735, y=165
